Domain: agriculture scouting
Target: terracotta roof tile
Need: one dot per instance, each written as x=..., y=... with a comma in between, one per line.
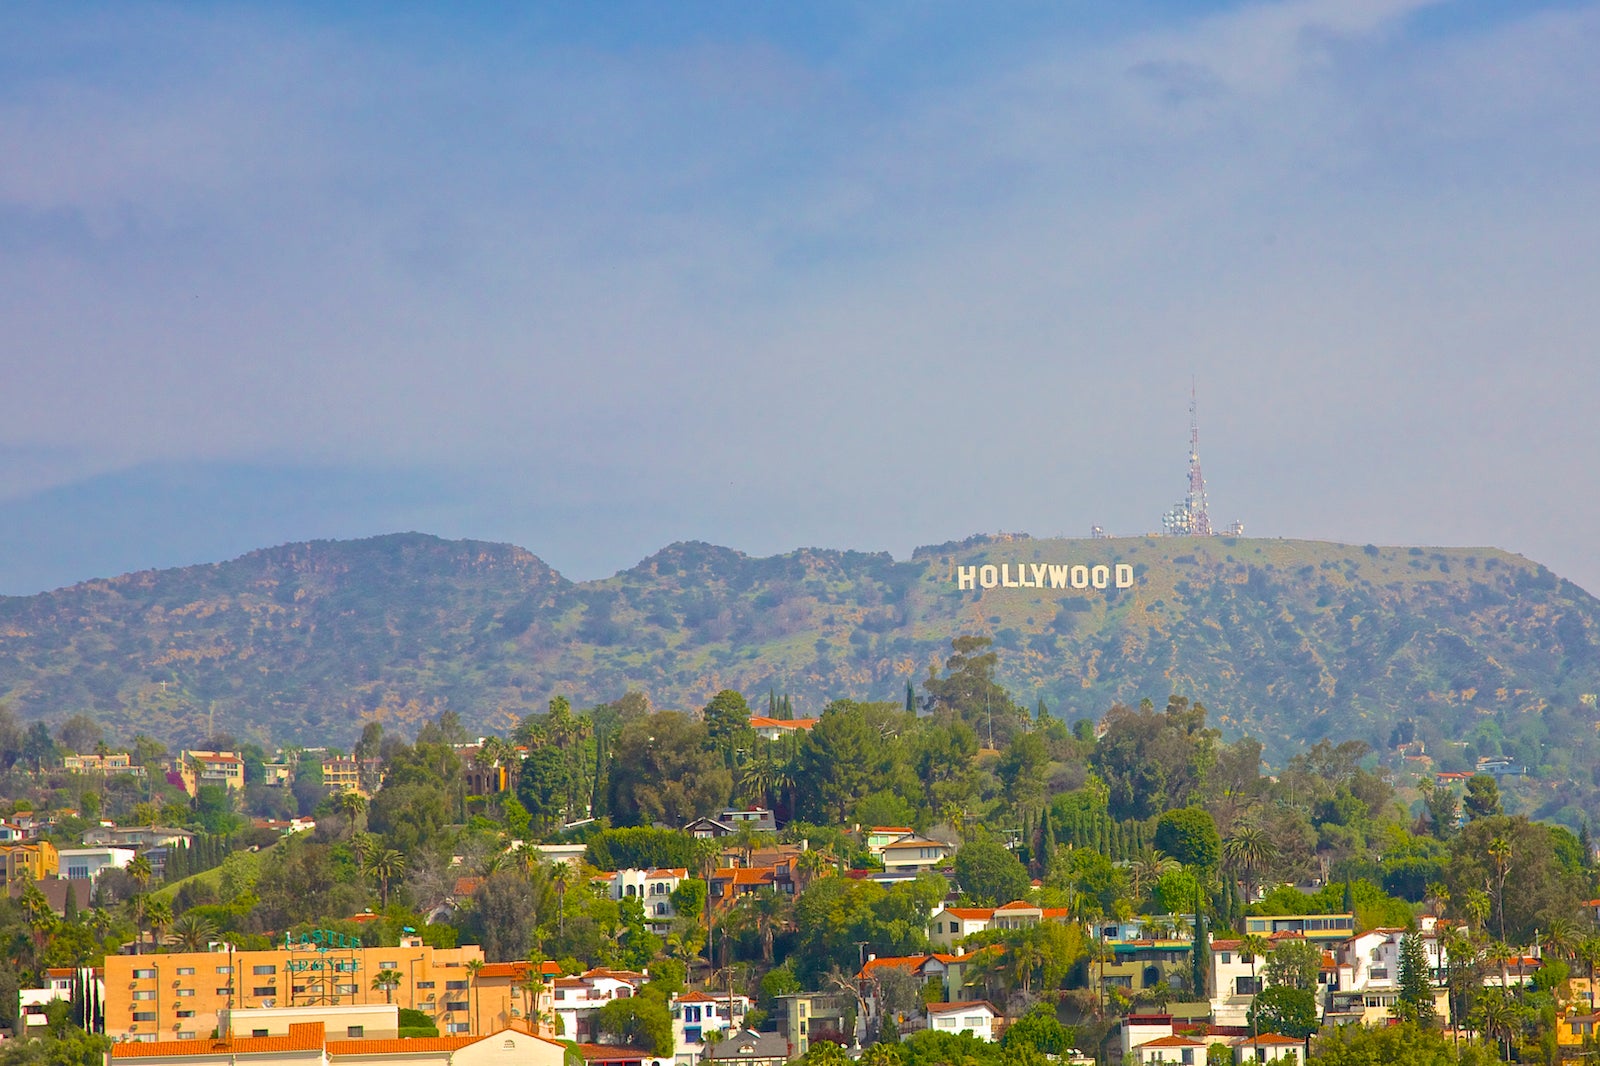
x=303, y=1036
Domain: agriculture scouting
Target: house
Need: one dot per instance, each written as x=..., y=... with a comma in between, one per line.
x=708, y=829
x=749, y=1048
x=341, y=775
x=697, y=1014
x=879, y=836
x=775, y=728
x=653, y=889
x=307, y=1044
x=1367, y=982
x=977, y=1017
x=731, y=882
x=197, y=768
x=59, y=984
x=115, y=762
x=1327, y=929
x=138, y=836
x=949, y=924
x=607, y=1055
x=56, y=890
x=803, y=1016
x=504, y=995
x=11, y=834
x=31, y=862
x=914, y=854
x=1235, y=980
x=1020, y=914
x=758, y=819
x=1185, y=1050
x=1268, y=1047
x=576, y=1000
x=87, y=864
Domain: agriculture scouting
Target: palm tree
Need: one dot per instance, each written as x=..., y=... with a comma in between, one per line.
x=1100, y=953
x=194, y=931
x=764, y=913
x=1147, y=869
x=352, y=805
x=1249, y=852
x=1252, y=947
x=385, y=865
x=473, y=966
x=1561, y=939
x=36, y=911
x=1462, y=961
x=158, y=912
x=813, y=863
x=386, y=981
x=1476, y=908
x=1500, y=852
x=139, y=873
x=1496, y=1018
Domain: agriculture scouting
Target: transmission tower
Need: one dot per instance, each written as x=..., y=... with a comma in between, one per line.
x=1199, y=518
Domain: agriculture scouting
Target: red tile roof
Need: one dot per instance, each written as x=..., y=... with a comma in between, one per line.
x=412, y=1044
x=966, y=1004
x=1269, y=1040
x=1173, y=1041
x=970, y=914
x=303, y=1036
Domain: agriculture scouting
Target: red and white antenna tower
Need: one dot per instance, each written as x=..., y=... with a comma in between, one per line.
x=1199, y=518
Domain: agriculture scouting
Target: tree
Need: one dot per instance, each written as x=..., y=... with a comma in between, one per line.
x=385, y=866
x=1443, y=807
x=1284, y=1010
x=988, y=874
x=1040, y=1030
x=1254, y=946
x=662, y=770
x=969, y=691
x=1483, y=797
x=386, y=981
x=194, y=931
x=1153, y=761
x=473, y=966
x=1190, y=836
x=1294, y=964
x=638, y=1021
x=1200, y=963
x=1416, y=984
x=727, y=719
x=139, y=872
x=1249, y=852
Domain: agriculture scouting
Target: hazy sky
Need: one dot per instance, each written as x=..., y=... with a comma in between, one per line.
x=593, y=278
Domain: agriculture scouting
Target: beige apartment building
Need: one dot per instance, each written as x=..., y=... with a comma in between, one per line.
x=179, y=996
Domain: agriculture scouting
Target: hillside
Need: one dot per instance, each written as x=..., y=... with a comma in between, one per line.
x=1287, y=640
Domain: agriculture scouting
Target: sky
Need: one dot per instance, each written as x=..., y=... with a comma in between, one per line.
x=594, y=278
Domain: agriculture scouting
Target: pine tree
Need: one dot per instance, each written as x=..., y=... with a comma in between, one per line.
x=911, y=699
x=1047, y=842
x=1200, y=962
x=1416, y=988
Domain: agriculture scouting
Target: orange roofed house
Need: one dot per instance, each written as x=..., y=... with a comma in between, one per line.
x=307, y=1044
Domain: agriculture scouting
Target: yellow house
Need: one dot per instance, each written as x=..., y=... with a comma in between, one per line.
x=33, y=862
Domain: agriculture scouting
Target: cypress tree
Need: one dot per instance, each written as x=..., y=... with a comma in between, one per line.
x=1349, y=897
x=1047, y=842
x=1200, y=962
x=911, y=699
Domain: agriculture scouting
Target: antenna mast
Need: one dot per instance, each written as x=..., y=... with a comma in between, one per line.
x=1199, y=519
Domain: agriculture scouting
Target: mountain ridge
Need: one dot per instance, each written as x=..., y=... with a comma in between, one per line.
x=1287, y=640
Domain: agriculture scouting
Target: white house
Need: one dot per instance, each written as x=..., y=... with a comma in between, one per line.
x=87, y=864
x=654, y=889
x=914, y=853
x=1183, y=1050
x=694, y=1014
x=575, y=1000
x=972, y=1016
x=1268, y=1047
x=1233, y=987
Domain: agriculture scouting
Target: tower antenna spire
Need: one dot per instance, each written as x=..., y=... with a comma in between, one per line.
x=1199, y=517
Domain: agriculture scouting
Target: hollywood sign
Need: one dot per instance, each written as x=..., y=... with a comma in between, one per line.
x=1044, y=576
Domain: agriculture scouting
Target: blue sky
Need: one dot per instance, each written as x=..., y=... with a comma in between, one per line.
x=594, y=278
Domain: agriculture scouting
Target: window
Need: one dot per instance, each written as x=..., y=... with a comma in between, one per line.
x=262, y=971
x=144, y=995
x=348, y=990
x=186, y=1014
x=186, y=1034
x=355, y=1030
x=258, y=1032
x=458, y=1027
x=424, y=984
x=561, y=994
x=390, y=965
x=143, y=974
x=225, y=990
x=454, y=1006
x=1227, y=958
x=225, y=970
x=456, y=986
x=185, y=971
x=1188, y=1056
x=692, y=1036
x=1246, y=986
x=947, y=1023
x=185, y=991
x=144, y=1015
x=263, y=990
x=661, y=910
x=691, y=1014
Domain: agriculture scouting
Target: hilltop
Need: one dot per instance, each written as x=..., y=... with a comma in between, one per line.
x=1289, y=641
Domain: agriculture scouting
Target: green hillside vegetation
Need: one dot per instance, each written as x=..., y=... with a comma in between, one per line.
x=1291, y=641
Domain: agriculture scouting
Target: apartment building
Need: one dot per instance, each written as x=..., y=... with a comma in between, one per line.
x=32, y=862
x=180, y=995
x=196, y=768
